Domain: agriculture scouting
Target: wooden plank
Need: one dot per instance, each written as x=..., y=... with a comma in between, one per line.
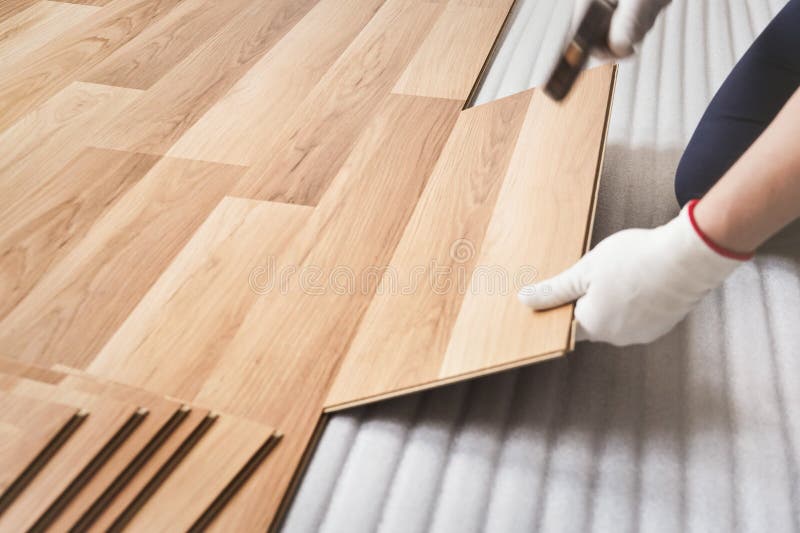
x=26, y=425
x=45, y=139
x=121, y=502
x=317, y=139
x=200, y=478
x=278, y=374
x=541, y=221
x=159, y=47
x=166, y=344
x=10, y=8
x=247, y=119
x=282, y=372
x=54, y=214
x=402, y=339
x=80, y=302
x=538, y=225
x=105, y=418
x=61, y=61
x=448, y=63
x=35, y=26
x=183, y=95
x=160, y=412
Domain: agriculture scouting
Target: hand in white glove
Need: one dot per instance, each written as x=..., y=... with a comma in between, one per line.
x=631, y=20
x=637, y=284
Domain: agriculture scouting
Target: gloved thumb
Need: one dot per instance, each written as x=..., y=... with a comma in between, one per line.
x=563, y=288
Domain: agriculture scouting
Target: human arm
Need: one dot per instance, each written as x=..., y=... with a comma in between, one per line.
x=635, y=285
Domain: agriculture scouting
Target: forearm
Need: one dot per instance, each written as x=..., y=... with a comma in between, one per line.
x=760, y=194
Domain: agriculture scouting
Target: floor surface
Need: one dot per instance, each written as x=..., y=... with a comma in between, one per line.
x=699, y=431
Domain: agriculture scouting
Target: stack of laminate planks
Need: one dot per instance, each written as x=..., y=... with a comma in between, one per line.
x=207, y=208
x=88, y=453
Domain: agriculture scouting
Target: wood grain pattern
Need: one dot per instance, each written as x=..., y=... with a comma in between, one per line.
x=155, y=347
x=172, y=105
x=47, y=138
x=448, y=62
x=163, y=44
x=35, y=26
x=317, y=139
x=248, y=118
x=26, y=426
x=77, y=306
x=402, y=339
x=54, y=214
x=468, y=321
x=105, y=418
x=61, y=61
x=537, y=214
x=200, y=200
x=225, y=449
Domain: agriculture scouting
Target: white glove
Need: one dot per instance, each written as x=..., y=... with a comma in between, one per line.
x=630, y=22
x=637, y=284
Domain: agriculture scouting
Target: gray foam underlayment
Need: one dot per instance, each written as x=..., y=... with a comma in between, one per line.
x=699, y=431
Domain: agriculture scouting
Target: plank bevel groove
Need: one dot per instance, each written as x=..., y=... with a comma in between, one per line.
x=41, y=460
x=123, y=478
x=88, y=472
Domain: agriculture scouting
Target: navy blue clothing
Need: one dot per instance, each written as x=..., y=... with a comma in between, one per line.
x=752, y=94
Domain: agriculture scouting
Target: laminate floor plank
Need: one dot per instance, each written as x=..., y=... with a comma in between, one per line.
x=35, y=26
x=48, y=137
x=79, y=303
x=245, y=121
x=159, y=47
x=202, y=476
x=282, y=372
x=56, y=213
x=317, y=139
x=160, y=411
x=27, y=425
x=174, y=103
x=404, y=334
x=170, y=345
x=542, y=221
x=63, y=60
x=449, y=61
x=10, y=8
x=129, y=493
x=104, y=419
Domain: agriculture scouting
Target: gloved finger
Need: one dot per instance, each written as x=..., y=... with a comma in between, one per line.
x=622, y=34
x=563, y=288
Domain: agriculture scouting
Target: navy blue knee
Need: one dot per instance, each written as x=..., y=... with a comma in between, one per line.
x=748, y=100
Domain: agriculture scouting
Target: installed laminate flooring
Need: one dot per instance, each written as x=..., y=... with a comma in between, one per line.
x=200, y=200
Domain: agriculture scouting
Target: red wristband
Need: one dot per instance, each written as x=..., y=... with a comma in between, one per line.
x=711, y=244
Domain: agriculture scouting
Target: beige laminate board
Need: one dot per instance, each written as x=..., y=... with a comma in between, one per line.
x=50, y=68
x=27, y=425
x=317, y=139
x=174, y=103
x=450, y=59
x=469, y=321
x=47, y=138
x=202, y=476
x=405, y=331
x=169, y=343
x=162, y=45
x=105, y=418
x=274, y=363
x=244, y=122
x=52, y=215
x=78, y=304
x=33, y=27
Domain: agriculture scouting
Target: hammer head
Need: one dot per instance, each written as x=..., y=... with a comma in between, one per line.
x=592, y=32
